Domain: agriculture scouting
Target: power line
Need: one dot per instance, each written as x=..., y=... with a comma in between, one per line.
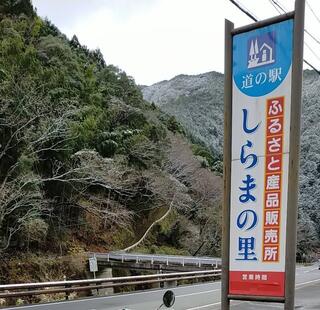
x=318, y=41
x=284, y=10
x=312, y=11
x=310, y=65
x=278, y=5
x=311, y=50
x=255, y=19
x=241, y=4
x=312, y=36
x=277, y=9
x=308, y=32
x=244, y=10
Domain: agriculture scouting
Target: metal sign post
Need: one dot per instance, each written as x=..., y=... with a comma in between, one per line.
x=294, y=153
x=226, y=165
x=263, y=82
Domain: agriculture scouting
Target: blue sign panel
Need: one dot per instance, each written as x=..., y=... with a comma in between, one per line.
x=262, y=58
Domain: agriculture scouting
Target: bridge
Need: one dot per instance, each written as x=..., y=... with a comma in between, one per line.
x=157, y=262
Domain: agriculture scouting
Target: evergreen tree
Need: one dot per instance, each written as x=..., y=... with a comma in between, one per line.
x=17, y=7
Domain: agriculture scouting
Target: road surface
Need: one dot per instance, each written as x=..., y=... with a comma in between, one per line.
x=193, y=297
x=307, y=292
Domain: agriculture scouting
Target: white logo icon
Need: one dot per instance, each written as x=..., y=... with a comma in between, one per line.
x=260, y=56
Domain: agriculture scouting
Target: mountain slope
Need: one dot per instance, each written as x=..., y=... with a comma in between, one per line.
x=85, y=163
x=197, y=102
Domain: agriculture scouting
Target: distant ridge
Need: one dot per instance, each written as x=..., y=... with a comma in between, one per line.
x=197, y=102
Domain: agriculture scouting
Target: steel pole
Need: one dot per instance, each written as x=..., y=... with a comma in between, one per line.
x=225, y=303
x=294, y=153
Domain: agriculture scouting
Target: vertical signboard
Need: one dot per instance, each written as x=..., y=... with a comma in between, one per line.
x=261, y=102
x=263, y=81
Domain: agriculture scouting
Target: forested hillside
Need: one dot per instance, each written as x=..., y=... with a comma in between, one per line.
x=86, y=163
x=197, y=102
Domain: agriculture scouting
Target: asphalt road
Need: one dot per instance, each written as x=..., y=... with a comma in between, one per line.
x=187, y=297
x=201, y=296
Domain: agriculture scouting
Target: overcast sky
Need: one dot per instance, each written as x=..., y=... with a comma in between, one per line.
x=154, y=40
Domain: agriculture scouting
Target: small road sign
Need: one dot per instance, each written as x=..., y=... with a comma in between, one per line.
x=93, y=264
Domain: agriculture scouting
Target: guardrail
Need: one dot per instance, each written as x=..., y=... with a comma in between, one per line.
x=157, y=258
x=31, y=289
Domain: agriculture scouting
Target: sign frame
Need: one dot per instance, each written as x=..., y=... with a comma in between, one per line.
x=93, y=265
x=294, y=153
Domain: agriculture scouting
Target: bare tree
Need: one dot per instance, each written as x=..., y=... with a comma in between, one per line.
x=20, y=201
x=185, y=167
x=204, y=188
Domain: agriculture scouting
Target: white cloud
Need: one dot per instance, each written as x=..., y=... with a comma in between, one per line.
x=154, y=40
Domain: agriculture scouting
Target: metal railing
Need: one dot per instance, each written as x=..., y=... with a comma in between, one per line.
x=156, y=258
x=31, y=289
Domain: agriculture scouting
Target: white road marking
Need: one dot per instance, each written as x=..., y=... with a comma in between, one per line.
x=266, y=305
x=204, y=292
x=308, y=282
x=233, y=304
x=309, y=270
x=205, y=306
